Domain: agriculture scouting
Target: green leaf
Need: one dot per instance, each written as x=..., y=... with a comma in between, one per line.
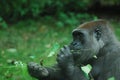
x=86, y=70
x=111, y=78
x=54, y=49
x=12, y=50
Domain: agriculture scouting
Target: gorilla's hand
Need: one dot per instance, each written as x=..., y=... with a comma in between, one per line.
x=65, y=58
x=36, y=70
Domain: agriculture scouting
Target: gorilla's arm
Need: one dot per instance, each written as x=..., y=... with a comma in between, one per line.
x=66, y=63
x=64, y=70
x=44, y=73
x=77, y=74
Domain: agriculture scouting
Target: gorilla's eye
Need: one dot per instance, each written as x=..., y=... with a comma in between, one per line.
x=78, y=34
x=97, y=33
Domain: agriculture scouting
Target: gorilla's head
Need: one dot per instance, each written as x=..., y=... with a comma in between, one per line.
x=89, y=38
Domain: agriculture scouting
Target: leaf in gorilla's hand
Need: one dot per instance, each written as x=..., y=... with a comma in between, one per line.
x=86, y=70
x=54, y=49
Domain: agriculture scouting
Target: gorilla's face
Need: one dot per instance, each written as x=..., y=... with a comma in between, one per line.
x=86, y=42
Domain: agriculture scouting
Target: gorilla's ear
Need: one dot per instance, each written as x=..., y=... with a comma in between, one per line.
x=97, y=32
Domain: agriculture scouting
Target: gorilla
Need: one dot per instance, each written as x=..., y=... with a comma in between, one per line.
x=94, y=38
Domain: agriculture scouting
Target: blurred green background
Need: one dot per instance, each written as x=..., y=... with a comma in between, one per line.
x=35, y=30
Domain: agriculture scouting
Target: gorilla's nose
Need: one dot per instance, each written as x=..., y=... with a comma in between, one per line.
x=75, y=45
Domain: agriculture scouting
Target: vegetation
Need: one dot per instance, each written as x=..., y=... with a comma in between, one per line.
x=16, y=10
x=20, y=45
x=35, y=30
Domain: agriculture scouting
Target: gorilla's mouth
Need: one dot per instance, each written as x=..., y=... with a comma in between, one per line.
x=82, y=55
x=75, y=51
x=80, y=50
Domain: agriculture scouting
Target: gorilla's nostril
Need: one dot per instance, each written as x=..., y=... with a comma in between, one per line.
x=74, y=43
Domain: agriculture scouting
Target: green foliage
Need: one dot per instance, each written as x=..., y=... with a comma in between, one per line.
x=15, y=68
x=110, y=2
x=67, y=13
x=20, y=45
x=3, y=24
x=54, y=49
x=73, y=19
x=111, y=78
x=16, y=9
